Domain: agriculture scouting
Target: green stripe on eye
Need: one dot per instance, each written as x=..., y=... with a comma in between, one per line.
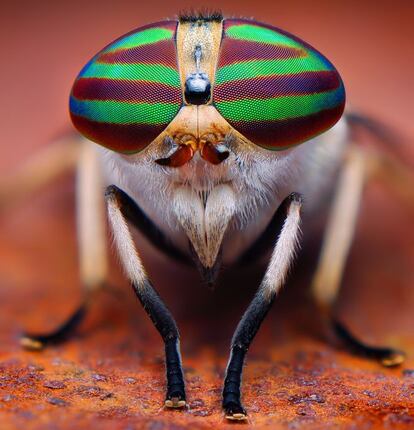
x=144, y=37
x=140, y=72
x=258, y=68
x=279, y=108
x=115, y=112
x=258, y=34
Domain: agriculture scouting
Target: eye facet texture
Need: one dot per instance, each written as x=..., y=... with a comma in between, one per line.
x=273, y=88
x=130, y=91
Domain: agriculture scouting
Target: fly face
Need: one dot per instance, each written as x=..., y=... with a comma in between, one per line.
x=196, y=128
x=212, y=105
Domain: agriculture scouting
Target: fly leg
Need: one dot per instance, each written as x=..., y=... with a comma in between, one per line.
x=91, y=245
x=148, y=296
x=274, y=278
x=336, y=244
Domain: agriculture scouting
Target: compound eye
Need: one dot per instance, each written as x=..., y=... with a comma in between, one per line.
x=130, y=91
x=273, y=88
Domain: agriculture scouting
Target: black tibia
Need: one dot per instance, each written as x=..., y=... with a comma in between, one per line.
x=389, y=357
x=251, y=322
x=38, y=341
x=243, y=336
x=133, y=213
x=166, y=326
x=266, y=240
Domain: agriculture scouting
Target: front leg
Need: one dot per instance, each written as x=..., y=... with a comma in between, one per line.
x=275, y=276
x=149, y=298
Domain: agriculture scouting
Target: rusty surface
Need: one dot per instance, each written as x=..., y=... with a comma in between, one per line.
x=111, y=373
x=110, y=376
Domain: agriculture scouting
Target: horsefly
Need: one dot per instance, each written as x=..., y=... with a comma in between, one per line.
x=213, y=132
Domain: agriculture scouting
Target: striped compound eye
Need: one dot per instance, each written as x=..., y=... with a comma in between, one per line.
x=130, y=91
x=273, y=88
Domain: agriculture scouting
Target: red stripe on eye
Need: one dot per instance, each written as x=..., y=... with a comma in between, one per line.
x=162, y=52
x=125, y=90
x=227, y=23
x=281, y=134
x=168, y=25
x=234, y=51
x=277, y=86
x=126, y=138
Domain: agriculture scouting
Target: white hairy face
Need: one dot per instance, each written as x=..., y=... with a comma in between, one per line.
x=200, y=200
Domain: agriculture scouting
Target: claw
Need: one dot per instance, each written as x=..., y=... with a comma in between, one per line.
x=388, y=357
x=36, y=342
x=395, y=358
x=236, y=417
x=235, y=412
x=31, y=343
x=175, y=403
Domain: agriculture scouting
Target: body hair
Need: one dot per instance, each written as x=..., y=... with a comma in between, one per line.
x=261, y=179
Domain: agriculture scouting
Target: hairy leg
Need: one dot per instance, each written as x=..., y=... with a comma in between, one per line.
x=335, y=249
x=148, y=296
x=282, y=256
x=265, y=241
x=137, y=217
